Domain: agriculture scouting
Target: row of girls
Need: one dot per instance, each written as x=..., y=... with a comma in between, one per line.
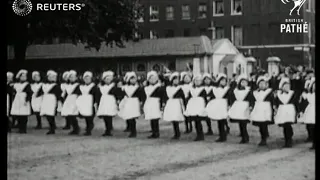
x=187, y=102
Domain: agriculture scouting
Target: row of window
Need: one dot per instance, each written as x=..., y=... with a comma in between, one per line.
x=217, y=7
x=142, y=67
x=218, y=10
x=218, y=33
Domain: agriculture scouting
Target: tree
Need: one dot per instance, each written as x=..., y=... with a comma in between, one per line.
x=99, y=21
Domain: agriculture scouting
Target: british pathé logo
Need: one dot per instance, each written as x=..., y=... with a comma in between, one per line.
x=297, y=5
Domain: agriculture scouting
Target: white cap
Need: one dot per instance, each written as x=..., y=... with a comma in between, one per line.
x=72, y=72
x=107, y=73
x=51, y=73
x=65, y=75
x=87, y=73
x=283, y=81
x=197, y=76
x=10, y=75
x=220, y=76
x=173, y=75
x=22, y=71
x=207, y=75
x=262, y=78
x=241, y=77
x=130, y=75
x=152, y=73
x=183, y=74
x=35, y=73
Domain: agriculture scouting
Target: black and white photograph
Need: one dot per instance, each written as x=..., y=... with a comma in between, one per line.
x=161, y=89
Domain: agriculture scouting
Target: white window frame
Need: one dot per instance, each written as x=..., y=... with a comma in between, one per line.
x=206, y=8
x=152, y=34
x=232, y=11
x=233, y=35
x=214, y=5
x=182, y=17
x=167, y=8
x=151, y=12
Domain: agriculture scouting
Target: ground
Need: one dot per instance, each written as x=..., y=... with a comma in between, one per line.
x=36, y=156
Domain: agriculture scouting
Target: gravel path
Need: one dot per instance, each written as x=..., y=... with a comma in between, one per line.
x=36, y=156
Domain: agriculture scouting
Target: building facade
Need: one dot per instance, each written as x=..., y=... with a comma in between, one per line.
x=252, y=25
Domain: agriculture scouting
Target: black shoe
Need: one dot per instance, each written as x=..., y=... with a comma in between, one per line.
x=175, y=138
x=244, y=141
x=221, y=140
x=107, y=134
x=74, y=133
x=287, y=145
x=151, y=136
x=50, y=132
x=87, y=134
x=209, y=133
x=199, y=138
x=132, y=135
x=262, y=143
x=66, y=128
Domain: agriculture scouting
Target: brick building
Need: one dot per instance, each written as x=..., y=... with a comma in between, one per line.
x=252, y=25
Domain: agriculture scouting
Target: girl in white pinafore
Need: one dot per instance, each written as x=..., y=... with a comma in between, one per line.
x=217, y=107
x=51, y=93
x=122, y=102
x=63, y=85
x=262, y=113
x=174, y=100
x=108, y=107
x=10, y=76
x=208, y=86
x=36, y=100
x=21, y=107
x=132, y=105
x=286, y=103
x=87, y=101
x=153, y=102
x=186, y=80
x=308, y=108
x=69, y=107
x=196, y=106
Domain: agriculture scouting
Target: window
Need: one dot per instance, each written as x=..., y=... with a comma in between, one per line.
x=218, y=7
x=154, y=34
x=126, y=67
x=141, y=67
x=186, y=32
x=169, y=13
x=156, y=68
x=154, y=13
x=236, y=35
x=236, y=7
x=202, y=10
x=185, y=12
x=169, y=33
x=219, y=33
x=172, y=66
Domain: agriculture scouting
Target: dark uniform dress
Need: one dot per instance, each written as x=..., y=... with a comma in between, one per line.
x=239, y=112
x=196, y=109
x=51, y=94
x=134, y=95
x=209, y=92
x=152, y=107
x=174, y=108
x=21, y=104
x=85, y=103
x=9, y=103
x=188, y=123
x=262, y=113
x=287, y=105
x=107, y=97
